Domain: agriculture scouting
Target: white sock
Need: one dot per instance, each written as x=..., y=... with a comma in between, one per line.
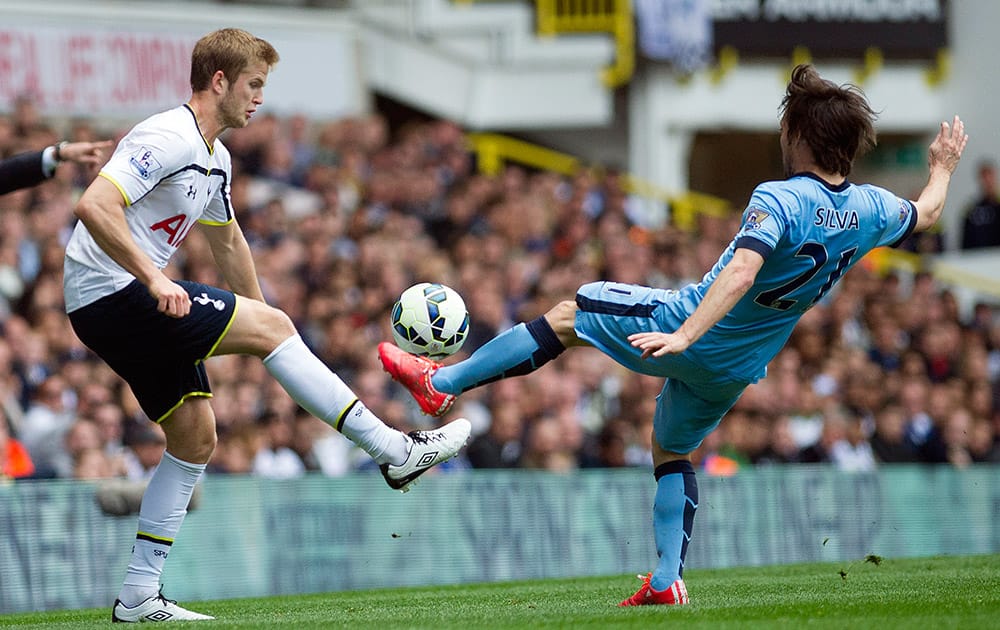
x=164, y=506
x=321, y=392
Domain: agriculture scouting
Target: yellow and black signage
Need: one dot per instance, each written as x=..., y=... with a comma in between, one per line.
x=901, y=29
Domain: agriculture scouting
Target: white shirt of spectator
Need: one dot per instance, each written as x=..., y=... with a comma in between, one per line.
x=170, y=179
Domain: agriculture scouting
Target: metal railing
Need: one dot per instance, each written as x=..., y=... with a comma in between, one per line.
x=594, y=16
x=493, y=151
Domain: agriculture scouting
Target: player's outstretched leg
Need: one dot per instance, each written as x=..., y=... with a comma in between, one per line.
x=673, y=519
x=427, y=449
x=515, y=352
x=156, y=608
x=414, y=373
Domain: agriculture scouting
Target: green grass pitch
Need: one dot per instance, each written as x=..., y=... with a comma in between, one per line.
x=873, y=592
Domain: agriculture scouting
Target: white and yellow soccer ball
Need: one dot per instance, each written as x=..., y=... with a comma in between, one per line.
x=430, y=319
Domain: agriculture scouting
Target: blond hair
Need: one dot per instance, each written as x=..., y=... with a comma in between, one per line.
x=230, y=50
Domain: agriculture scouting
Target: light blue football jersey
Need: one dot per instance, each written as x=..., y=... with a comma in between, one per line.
x=809, y=233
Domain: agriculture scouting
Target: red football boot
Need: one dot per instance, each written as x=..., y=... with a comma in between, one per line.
x=414, y=373
x=648, y=596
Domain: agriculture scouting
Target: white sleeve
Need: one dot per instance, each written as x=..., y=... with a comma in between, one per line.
x=143, y=158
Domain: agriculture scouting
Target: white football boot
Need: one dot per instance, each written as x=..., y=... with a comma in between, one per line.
x=427, y=449
x=156, y=608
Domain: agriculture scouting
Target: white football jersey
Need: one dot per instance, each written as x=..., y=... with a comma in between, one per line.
x=170, y=179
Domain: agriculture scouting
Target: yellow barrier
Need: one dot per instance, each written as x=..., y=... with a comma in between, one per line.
x=594, y=16
x=494, y=150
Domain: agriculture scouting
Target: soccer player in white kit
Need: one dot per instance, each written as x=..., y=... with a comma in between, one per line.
x=169, y=173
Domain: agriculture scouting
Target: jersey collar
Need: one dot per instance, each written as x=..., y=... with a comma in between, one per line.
x=841, y=187
x=211, y=151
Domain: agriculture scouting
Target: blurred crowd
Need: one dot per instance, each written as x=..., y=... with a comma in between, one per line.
x=344, y=215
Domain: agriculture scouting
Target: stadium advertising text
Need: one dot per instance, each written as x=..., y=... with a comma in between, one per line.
x=903, y=29
x=82, y=71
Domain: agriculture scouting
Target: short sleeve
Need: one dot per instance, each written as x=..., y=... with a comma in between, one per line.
x=901, y=218
x=220, y=207
x=142, y=159
x=763, y=223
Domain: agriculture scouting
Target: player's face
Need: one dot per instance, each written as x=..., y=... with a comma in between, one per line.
x=244, y=96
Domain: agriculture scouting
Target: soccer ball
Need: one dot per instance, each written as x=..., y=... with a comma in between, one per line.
x=430, y=320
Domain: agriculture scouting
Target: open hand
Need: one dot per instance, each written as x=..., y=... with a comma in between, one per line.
x=947, y=147
x=657, y=344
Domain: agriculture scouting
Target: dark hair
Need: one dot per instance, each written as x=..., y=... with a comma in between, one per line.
x=230, y=50
x=836, y=122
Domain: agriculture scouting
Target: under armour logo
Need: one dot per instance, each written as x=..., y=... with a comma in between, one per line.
x=203, y=299
x=191, y=192
x=427, y=459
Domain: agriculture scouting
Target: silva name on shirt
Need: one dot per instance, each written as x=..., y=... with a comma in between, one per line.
x=836, y=219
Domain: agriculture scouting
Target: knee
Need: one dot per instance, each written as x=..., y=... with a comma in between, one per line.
x=203, y=446
x=190, y=431
x=274, y=326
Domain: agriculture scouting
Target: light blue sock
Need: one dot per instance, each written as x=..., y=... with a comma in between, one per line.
x=515, y=352
x=673, y=518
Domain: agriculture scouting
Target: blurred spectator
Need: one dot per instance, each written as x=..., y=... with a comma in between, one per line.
x=982, y=443
x=834, y=432
x=500, y=446
x=143, y=451
x=852, y=452
x=235, y=450
x=889, y=443
x=782, y=447
x=43, y=427
x=15, y=461
x=92, y=463
x=275, y=458
x=957, y=437
x=83, y=441
x=544, y=449
x=343, y=215
x=609, y=448
x=981, y=226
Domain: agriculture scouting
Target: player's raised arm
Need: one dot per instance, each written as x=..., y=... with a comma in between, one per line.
x=942, y=158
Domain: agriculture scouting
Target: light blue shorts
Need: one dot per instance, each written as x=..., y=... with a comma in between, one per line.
x=693, y=399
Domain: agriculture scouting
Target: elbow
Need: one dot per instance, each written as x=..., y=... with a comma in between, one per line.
x=745, y=281
x=84, y=209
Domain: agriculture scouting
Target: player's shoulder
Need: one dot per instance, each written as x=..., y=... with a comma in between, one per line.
x=781, y=188
x=878, y=197
x=776, y=195
x=168, y=120
x=176, y=126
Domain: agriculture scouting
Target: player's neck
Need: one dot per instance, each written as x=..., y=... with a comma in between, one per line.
x=801, y=160
x=809, y=166
x=204, y=114
x=834, y=179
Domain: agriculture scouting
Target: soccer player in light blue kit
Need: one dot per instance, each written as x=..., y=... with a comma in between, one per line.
x=712, y=339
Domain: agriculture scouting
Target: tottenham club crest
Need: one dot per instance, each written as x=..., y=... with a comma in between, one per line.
x=755, y=216
x=143, y=163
